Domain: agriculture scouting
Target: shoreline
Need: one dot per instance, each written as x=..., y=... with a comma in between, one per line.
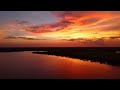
x=102, y=57
x=106, y=55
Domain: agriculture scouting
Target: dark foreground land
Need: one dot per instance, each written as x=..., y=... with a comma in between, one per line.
x=105, y=55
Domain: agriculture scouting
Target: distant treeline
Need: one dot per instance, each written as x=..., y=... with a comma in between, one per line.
x=13, y=49
x=105, y=55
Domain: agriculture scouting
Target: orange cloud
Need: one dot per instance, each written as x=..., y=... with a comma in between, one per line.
x=49, y=28
x=85, y=27
x=69, y=19
x=79, y=17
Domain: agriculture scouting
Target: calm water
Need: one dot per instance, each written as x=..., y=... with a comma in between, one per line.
x=25, y=65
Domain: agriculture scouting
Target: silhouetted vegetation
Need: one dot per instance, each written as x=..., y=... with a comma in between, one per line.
x=105, y=55
x=102, y=55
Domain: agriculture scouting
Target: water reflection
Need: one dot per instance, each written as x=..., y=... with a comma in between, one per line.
x=26, y=65
x=93, y=58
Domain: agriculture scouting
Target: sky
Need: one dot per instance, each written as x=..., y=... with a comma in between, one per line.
x=59, y=28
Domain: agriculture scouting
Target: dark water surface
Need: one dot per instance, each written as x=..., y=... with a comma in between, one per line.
x=25, y=65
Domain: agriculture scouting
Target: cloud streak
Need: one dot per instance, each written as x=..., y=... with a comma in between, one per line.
x=67, y=19
x=87, y=27
x=25, y=38
x=49, y=28
x=115, y=37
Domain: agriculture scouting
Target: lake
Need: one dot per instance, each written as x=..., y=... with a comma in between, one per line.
x=25, y=65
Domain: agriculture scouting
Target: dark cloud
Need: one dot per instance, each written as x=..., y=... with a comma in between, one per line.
x=25, y=38
x=97, y=42
x=115, y=37
x=10, y=37
x=49, y=28
x=77, y=39
x=66, y=22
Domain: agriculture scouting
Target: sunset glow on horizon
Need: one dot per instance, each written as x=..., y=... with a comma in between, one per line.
x=59, y=28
